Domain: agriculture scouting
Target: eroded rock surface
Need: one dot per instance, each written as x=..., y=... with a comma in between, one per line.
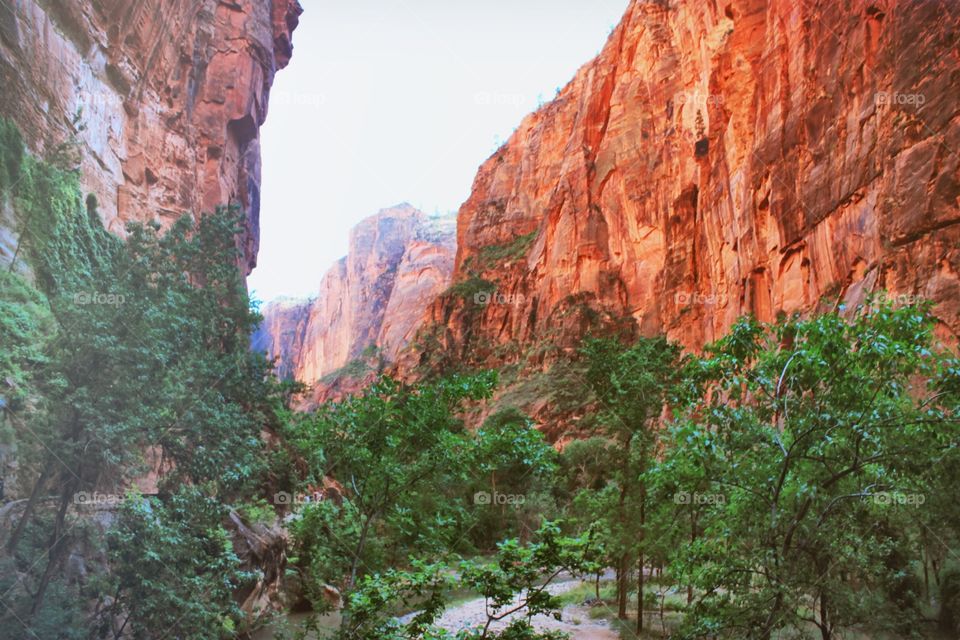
x=718, y=159
x=370, y=303
x=162, y=99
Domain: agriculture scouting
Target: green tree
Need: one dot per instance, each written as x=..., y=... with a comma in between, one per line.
x=512, y=463
x=393, y=450
x=819, y=435
x=632, y=385
x=141, y=327
x=173, y=569
x=514, y=585
x=122, y=349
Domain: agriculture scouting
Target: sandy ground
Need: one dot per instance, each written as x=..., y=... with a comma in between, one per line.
x=575, y=619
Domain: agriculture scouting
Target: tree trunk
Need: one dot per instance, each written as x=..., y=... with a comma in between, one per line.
x=640, y=593
x=54, y=547
x=28, y=510
x=622, y=582
x=824, y=619
x=926, y=571
x=663, y=624
x=355, y=561
x=640, y=556
x=693, y=538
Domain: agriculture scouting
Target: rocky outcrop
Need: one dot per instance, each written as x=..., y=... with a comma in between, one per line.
x=282, y=332
x=162, y=99
x=719, y=159
x=370, y=303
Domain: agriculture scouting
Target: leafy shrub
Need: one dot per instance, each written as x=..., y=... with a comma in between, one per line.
x=469, y=288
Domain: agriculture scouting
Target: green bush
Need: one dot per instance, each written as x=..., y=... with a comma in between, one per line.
x=11, y=153
x=490, y=256
x=469, y=288
x=25, y=327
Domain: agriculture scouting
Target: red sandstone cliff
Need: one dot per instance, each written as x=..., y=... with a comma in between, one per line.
x=718, y=159
x=281, y=333
x=370, y=303
x=165, y=97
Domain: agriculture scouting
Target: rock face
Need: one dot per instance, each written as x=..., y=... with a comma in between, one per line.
x=370, y=303
x=162, y=98
x=718, y=159
x=281, y=333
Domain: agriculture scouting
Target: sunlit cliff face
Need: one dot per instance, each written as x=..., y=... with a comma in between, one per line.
x=720, y=160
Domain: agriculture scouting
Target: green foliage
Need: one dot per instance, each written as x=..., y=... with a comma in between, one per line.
x=491, y=256
x=561, y=388
x=174, y=567
x=818, y=435
x=469, y=288
x=61, y=615
x=356, y=369
x=11, y=154
x=138, y=337
x=373, y=607
x=393, y=449
x=585, y=464
x=515, y=585
x=257, y=511
x=950, y=601
x=68, y=248
x=25, y=327
x=631, y=386
x=511, y=462
x=410, y=475
x=127, y=348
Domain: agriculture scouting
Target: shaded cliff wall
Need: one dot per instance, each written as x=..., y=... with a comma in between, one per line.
x=162, y=99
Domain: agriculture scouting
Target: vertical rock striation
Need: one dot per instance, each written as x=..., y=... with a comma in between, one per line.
x=370, y=303
x=163, y=99
x=282, y=332
x=718, y=159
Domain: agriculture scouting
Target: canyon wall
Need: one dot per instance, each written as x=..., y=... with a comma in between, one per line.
x=161, y=100
x=716, y=159
x=370, y=303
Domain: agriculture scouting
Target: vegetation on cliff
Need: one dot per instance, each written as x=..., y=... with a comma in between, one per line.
x=797, y=478
x=124, y=362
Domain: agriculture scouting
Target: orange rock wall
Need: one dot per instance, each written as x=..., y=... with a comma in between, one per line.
x=398, y=262
x=720, y=158
x=164, y=97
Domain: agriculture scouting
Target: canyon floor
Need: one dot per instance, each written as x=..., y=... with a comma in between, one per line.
x=575, y=619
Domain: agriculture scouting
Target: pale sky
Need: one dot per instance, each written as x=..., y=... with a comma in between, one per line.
x=389, y=101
